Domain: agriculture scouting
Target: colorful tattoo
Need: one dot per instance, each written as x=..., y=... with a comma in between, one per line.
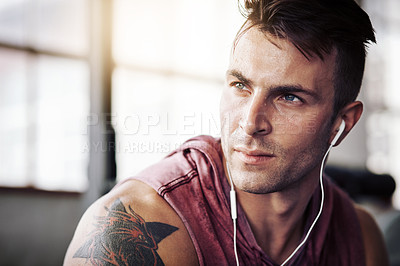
x=124, y=238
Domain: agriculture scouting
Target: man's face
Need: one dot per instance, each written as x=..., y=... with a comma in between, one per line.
x=276, y=111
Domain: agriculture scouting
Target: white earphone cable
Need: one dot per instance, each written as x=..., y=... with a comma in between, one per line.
x=233, y=214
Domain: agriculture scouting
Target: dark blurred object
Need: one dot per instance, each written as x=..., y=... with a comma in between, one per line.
x=360, y=183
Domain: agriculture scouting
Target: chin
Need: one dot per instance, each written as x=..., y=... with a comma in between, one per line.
x=260, y=185
x=262, y=190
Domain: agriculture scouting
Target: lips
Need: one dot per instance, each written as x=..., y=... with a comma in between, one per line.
x=251, y=156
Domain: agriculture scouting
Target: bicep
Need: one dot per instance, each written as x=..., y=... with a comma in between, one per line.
x=376, y=254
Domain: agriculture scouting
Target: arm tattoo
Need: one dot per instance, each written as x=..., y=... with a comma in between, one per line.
x=122, y=237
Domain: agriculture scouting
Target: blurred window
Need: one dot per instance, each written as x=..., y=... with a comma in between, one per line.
x=381, y=86
x=44, y=93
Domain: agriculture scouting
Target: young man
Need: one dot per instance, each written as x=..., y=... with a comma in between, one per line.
x=294, y=74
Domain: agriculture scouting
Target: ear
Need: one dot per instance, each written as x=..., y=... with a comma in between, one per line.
x=350, y=114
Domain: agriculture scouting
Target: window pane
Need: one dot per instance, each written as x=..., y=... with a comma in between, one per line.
x=153, y=114
x=192, y=37
x=393, y=70
x=61, y=25
x=13, y=20
x=56, y=25
x=62, y=108
x=13, y=118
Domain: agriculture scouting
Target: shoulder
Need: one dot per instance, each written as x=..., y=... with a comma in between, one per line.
x=375, y=249
x=131, y=225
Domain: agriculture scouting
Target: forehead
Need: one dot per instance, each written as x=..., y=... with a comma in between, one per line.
x=263, y=57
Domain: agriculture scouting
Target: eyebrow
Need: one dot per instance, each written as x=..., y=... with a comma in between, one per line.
x=239, y=75
x=287, y=89
x=282, y=89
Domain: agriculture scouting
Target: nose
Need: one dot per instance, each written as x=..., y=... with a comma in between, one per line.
x=255, y=121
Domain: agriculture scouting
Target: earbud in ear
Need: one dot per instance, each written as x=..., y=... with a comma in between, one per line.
x=339, y=133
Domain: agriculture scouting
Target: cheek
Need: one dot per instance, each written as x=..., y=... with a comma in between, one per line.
x=296, y=124
x=228, y=114
x=298, y=134
x=288, y=125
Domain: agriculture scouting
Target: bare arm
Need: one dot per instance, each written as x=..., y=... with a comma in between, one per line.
x=131, y=226
x=375, y=249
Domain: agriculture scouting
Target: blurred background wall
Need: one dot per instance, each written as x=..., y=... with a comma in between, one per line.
x=92, y=91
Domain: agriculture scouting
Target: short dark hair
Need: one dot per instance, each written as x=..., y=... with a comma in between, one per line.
x=315, y=28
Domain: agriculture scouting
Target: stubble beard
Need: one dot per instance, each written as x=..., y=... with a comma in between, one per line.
x=288, y=168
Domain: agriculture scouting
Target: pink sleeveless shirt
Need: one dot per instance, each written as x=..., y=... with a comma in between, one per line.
x=192, y=181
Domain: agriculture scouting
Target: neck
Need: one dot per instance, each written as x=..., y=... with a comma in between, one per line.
x=267, y=213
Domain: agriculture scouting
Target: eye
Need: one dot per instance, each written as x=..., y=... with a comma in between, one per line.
x=291, y=98
x=239, y=85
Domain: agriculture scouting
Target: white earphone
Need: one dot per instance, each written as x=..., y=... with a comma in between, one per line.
x=339, y=133
x=234, y=208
